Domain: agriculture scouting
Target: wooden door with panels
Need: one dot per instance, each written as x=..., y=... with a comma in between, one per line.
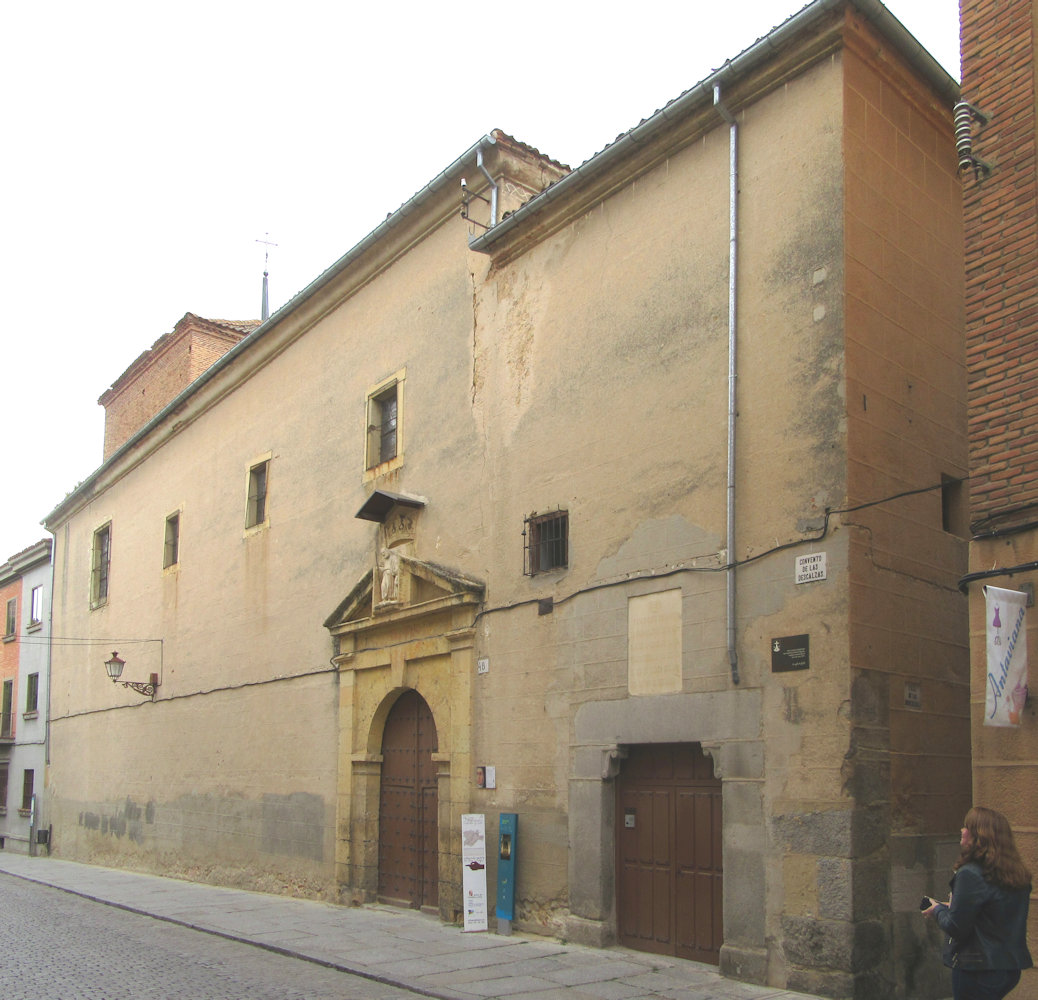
x=408, y=846
x=670, y=878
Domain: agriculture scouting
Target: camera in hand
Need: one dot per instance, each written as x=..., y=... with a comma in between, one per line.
x=925, y=903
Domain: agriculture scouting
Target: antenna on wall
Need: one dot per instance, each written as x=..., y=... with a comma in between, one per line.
x=264, y=305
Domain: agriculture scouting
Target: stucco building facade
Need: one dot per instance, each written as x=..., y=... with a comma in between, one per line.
x=633, y=487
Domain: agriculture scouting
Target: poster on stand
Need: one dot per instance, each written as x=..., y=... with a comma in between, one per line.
x=1006, y=632
x=474, y=870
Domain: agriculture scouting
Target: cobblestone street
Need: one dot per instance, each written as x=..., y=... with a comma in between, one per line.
x=57, y=946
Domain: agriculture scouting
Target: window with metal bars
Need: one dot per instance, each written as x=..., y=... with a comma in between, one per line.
x=382, y=427
x=546, y=542
x=100, y=562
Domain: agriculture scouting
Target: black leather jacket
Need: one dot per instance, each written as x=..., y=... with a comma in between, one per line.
x=986, y=924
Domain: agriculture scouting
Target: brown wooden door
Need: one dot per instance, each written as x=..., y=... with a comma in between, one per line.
x=408, y=840
x=669, y=873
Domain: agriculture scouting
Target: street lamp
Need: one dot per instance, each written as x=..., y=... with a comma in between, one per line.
x=115, y=665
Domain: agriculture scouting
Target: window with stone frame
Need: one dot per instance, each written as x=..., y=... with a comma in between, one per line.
x=383, y=449
x=32, y=694
x=11, y=626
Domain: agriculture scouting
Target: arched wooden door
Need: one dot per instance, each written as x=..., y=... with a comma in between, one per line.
x=408, y=844
x=668, y=858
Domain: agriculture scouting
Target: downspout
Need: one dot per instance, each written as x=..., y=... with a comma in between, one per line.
x=493, y=186
x=733, y=247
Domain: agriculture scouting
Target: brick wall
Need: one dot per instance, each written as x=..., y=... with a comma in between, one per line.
x=1001, y=233
x=162, y=372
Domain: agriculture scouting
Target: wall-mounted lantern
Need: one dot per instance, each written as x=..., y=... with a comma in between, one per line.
x=115, y=665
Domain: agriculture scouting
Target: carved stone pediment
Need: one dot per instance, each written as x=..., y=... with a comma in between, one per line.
x=407, y=588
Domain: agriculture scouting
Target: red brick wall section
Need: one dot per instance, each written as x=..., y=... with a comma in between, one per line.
x=9, y=650
x=159, y=375
x=1001, y=234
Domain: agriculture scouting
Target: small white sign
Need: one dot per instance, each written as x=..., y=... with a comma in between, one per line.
x=482, y=665
x=810, y=568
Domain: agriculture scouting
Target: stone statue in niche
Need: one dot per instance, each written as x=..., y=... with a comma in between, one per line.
x=390, y=575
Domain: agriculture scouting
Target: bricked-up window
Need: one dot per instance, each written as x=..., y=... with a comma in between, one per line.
x=256, y=507
x=36, y=605
x=100, y=562
x=171, y=545
x=32, y=693
x=383, y=416
x=546, y=542
x=28, y=780
x=12, y=616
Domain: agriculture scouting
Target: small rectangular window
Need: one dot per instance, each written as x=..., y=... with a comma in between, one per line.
x=547, y=542
x=256, y=507
x=28, y=780
x=32, y=693
x=171, y=546
x=383, y=413
x=12, y=616
x=100, y=564
x=4, y=770
x=36, y=605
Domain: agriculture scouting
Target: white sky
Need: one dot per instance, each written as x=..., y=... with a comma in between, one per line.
x=149, y=146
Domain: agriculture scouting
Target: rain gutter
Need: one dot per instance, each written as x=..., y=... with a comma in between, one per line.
x=701, y=95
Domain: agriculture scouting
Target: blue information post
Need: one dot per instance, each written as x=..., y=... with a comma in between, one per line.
x=506, y=857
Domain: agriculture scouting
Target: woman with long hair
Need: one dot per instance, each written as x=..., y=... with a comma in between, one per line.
x=985, y=917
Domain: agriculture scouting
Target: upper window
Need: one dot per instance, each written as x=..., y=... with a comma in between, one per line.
x=256, y=503
x=547, y=541
x=384, y=412
x=36, y=605
x=32, y=693
x=171, y=545
x=12, y=617
x=100, y=562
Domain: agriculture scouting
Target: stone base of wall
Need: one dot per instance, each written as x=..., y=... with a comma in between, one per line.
x=590, y=933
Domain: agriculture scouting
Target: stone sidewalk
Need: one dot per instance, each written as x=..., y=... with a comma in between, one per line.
x=399, y=947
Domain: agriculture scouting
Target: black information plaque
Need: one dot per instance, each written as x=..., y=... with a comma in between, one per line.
x=790, y=652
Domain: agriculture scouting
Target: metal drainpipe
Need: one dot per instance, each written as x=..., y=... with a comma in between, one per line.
x=493, y=187
x=733, y=246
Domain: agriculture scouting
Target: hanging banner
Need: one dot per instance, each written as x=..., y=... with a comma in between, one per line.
x=1007, y=656
x=474, y=870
